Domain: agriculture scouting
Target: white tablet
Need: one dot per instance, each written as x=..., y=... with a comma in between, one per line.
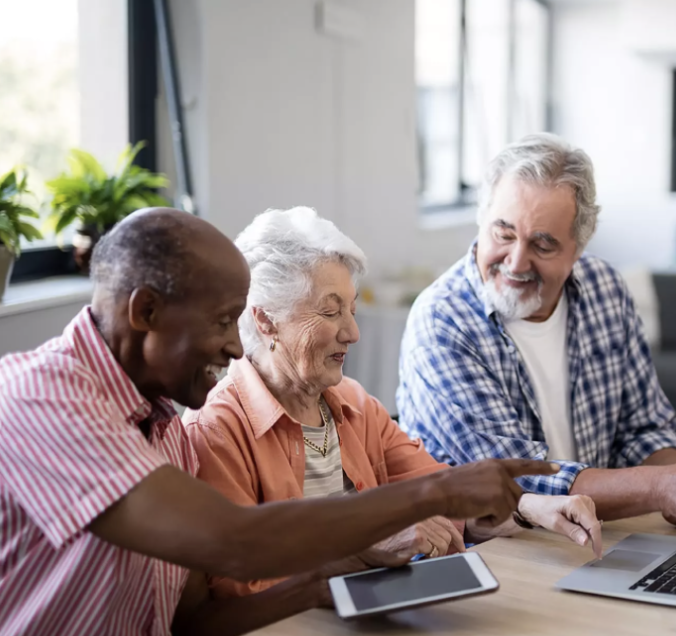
x=420, y=583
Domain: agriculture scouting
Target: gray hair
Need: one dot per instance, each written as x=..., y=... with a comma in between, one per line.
x=282, y=247
x=148, y=252
x=546, y=159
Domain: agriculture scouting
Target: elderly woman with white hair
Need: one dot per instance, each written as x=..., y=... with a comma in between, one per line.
x=285, y=423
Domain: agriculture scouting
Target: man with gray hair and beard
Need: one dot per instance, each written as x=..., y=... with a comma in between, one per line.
x=529, y=348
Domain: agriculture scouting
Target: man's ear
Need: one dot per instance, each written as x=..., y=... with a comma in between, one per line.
x=145, y=305
x=263, y=322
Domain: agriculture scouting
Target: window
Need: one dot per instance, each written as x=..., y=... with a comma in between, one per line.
x=438, y=88
x=64, y=83
x=39, y=98
x=481, y=82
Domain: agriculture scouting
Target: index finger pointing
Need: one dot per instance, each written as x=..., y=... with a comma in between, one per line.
x=594, y=531
x=520, y=467
x=586, y=518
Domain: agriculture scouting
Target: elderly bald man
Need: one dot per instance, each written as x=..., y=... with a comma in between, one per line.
x=100, y=517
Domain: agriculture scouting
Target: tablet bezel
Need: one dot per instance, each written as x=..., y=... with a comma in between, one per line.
x=346, y=609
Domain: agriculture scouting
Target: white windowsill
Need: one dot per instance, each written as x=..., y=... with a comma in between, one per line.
x=42, y=294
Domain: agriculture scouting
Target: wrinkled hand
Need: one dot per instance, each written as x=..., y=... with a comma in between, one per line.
x=432, y=537
x=397, y=550
x=486, y=490
x=572, y=516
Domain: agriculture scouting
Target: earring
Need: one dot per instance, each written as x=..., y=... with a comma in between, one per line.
x=273, y=344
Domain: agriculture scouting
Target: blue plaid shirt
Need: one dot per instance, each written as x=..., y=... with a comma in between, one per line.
x=464, y=388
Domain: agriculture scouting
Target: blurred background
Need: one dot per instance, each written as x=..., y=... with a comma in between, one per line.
x=381, y=114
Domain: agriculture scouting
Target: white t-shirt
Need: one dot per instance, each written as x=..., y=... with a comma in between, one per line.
x=543, y=347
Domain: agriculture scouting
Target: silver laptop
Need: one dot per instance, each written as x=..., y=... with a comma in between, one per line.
x=642, y=567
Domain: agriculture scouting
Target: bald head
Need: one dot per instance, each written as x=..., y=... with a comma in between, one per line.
x=167, y=250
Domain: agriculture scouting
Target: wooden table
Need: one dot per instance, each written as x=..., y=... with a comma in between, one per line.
x=527, y=567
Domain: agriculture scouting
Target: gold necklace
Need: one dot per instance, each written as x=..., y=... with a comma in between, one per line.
x=314, y=446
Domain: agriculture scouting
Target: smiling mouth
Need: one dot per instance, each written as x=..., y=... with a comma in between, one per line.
x=213, y=371
x=515, y=282
x=519, y=281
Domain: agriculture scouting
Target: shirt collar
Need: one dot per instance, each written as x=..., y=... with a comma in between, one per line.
x=263, y=409
x=94, y=353
x=473, y=275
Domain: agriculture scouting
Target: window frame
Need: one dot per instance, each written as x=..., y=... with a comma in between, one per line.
x=467, y=194
x=38, y=263
x=672, y=187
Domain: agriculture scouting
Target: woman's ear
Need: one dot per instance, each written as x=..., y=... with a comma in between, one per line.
x=264, y=322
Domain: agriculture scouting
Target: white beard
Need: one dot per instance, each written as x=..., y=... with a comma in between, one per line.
x=508, y=302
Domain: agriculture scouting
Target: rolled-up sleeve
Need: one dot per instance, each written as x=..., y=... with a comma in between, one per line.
x=647, y=422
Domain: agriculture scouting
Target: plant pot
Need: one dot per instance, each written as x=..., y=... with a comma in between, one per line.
x=84, y=241
x=6, y=267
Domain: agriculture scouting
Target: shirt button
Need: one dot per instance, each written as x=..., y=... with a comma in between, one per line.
x=359, y=485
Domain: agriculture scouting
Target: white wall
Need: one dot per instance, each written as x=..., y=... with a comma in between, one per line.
x=103, y=75
x=616, y=105
x=28, y=330
x=279, y=114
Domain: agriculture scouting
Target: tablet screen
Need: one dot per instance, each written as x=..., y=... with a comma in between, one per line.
x=411, y=583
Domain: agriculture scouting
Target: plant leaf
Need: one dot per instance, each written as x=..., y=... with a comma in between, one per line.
x=89, y=195
x=9, y=237
x=127, y=156
x=5, y=224
x=83, y=164
x=65, y=219
x=24, y=211
x=12, y=186
x=28, y=231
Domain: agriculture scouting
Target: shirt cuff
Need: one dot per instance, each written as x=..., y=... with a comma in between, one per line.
x=639, y=448
x=559, y=484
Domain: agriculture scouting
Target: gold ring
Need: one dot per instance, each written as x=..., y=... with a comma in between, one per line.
x=435, y=552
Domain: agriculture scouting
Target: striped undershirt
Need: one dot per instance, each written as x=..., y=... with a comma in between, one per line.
x=324, y=476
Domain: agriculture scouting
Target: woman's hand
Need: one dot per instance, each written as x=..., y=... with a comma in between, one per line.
x=432, y=537
x=573, y=516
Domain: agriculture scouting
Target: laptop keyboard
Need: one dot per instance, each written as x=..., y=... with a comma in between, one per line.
x=661, y=580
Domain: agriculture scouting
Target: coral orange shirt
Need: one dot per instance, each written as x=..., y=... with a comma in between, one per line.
x=252, y=451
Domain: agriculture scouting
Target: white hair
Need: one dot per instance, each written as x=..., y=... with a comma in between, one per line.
x=546, y=159
x=282, y=247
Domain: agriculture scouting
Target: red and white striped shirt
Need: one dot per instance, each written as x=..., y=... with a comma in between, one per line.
x=70, y=447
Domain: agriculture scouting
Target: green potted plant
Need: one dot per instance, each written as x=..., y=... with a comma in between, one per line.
x=96, y=201
x=13, y=224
